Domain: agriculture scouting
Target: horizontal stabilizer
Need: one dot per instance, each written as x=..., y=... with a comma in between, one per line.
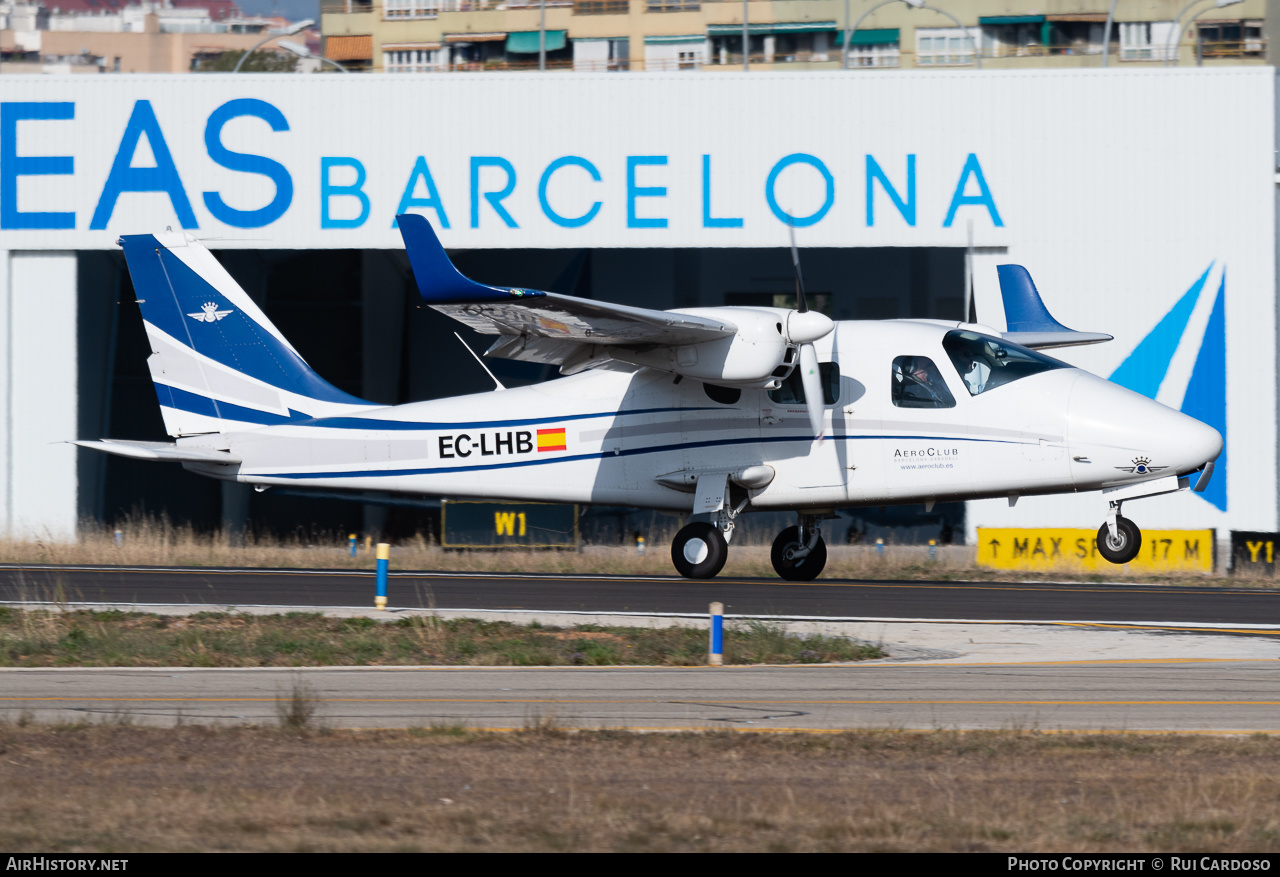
x=162, y=451
x=1045, y=340
x=1029, y=321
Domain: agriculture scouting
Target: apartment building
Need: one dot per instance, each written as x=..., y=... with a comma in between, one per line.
x=124, y=36
x=430, y=36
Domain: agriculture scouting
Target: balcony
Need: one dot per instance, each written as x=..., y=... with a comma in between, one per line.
x=1255, y=47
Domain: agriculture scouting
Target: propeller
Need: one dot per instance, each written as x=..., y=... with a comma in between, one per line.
x=803, y=328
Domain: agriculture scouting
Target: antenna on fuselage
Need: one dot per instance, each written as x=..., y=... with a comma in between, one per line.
x=497, y=382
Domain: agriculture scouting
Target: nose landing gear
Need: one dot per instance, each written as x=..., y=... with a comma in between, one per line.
x=1124, y=544
x=1119, y=539
x=799, y=554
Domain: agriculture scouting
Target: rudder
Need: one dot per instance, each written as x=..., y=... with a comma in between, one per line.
x=217, y=362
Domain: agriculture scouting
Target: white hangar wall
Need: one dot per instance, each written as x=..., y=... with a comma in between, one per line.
x=1118, y=189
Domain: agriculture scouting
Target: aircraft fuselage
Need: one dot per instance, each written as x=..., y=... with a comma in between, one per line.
x=624, y=435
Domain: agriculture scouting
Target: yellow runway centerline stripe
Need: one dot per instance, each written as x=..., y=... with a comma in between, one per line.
x=682, y=702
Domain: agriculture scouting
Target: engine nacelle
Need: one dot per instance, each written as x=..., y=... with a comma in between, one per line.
x=758, y=355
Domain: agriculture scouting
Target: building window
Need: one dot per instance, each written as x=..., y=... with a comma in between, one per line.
x=874, y=55
x=800, y=48
x=602, y=56
x=946, y=46
x=601, y=7
x=870, y=47
x=411, y=9
x=412, y=60
x=673, y=5
x=677, y=53
x=1076, y=37
x=1014, y=40
x=1230, y=39
x=1147, y=41
x=727, y=50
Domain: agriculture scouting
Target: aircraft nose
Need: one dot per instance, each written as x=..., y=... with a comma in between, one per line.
x=1126, y=435
x=1203, y=443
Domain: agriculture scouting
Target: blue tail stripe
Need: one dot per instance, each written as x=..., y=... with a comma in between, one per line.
x=169, y=292
x=438, y=281
x=197, y=404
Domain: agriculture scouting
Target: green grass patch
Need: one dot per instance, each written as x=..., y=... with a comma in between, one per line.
x=41, y=638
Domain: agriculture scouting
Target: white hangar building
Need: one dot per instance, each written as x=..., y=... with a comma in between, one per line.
x=1143, y=203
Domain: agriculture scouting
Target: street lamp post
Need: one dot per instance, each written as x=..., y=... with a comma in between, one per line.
x=304, y=53
x=1106, y=32
x=287, y=32
x=1176, y=37
x=914, y=4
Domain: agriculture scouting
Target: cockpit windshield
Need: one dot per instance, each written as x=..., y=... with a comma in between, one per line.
x=985, y=363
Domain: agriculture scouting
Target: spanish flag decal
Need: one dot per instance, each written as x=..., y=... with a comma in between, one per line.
x=551, y=440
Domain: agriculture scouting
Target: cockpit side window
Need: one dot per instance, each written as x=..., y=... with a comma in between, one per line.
x=792, y=390
x=917, y=383
x=986, y=363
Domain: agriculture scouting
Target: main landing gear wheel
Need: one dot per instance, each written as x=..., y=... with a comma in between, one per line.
x=797, y=569
x=699, y=551
x=1126, y=544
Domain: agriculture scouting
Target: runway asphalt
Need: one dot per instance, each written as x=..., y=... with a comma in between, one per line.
x=1178, y=697
x=828, y=598
x=1055, y=657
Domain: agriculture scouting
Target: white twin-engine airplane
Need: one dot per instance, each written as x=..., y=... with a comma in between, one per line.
x=706, y=412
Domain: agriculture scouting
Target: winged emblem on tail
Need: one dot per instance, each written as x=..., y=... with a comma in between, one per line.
x=209, y=313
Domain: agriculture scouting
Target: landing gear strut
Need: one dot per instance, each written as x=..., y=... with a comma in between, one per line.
x=799, y=554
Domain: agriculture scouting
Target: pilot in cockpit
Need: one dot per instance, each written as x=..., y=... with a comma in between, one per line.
x=917, y=384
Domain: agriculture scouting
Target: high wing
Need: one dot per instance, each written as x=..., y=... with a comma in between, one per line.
x=541, y=326
x=1029, y=321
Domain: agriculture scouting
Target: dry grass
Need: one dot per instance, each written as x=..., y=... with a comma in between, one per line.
x=39, y=638
x=153, y=542
x=113, y=788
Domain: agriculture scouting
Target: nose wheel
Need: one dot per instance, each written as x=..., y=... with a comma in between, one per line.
x=699, y=551
x=1122, y=545
x=799, y=554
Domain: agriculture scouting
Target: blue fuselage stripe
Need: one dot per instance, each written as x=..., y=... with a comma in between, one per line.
x=629, y=452
x=374, y=424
